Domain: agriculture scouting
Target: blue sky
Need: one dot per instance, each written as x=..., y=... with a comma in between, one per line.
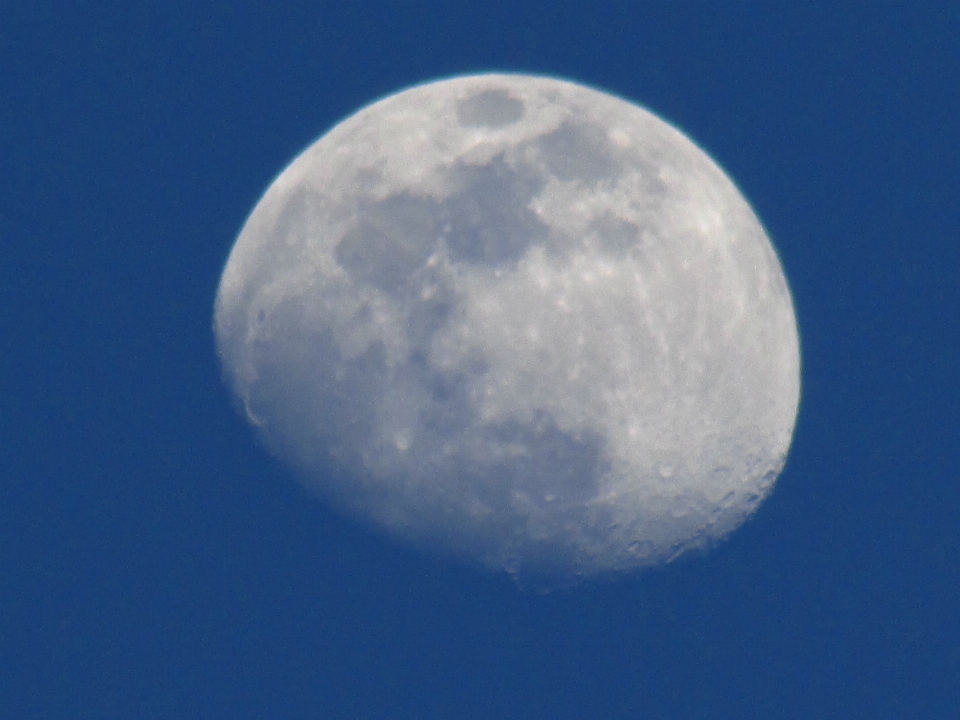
x=156, y=562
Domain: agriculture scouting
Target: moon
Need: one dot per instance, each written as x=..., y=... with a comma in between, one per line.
x=519, y=321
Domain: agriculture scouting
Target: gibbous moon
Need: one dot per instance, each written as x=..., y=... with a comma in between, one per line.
x=516, y=320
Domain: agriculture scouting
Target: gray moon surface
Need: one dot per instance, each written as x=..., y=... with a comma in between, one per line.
x=516, y=320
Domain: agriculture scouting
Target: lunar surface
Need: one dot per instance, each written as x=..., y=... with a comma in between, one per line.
x=516, y=320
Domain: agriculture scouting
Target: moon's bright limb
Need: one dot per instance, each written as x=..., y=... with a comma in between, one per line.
x=520, y=320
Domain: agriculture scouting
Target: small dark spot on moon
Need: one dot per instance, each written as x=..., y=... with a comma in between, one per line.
x=489, y=109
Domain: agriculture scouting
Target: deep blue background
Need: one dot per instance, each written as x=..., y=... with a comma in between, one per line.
x=156, y=562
